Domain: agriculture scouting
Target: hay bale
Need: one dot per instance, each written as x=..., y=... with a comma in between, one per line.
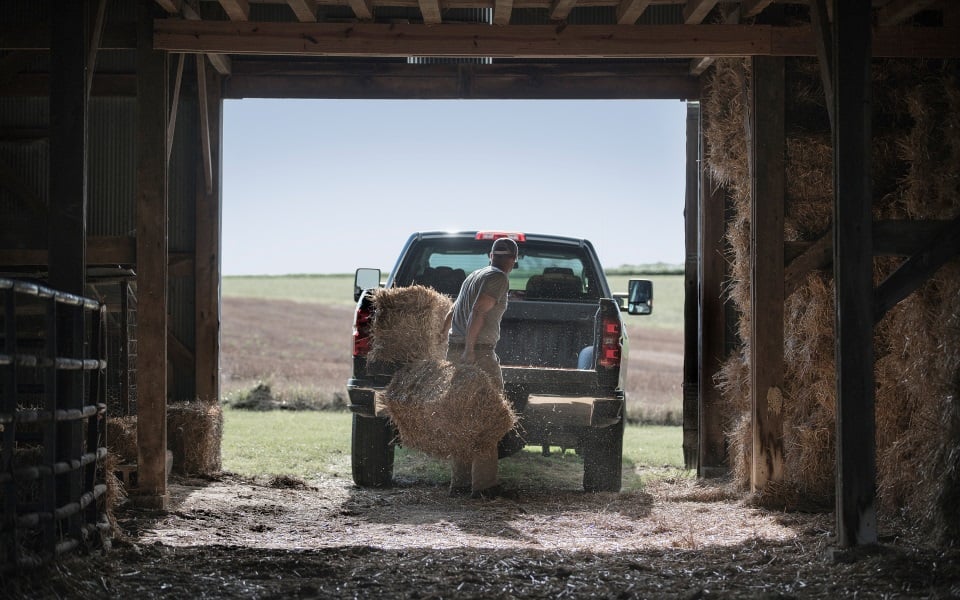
x=194, y=430
x=408, y=325
x=116, y=493
x=447, y=410
x=122, y=438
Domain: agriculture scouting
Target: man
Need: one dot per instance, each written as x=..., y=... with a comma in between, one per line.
x=474, y=329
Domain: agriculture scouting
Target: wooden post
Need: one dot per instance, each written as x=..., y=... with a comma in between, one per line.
x=853, y=274
x=68, y=229
x=152, y=242
x=207, y=263
x=691, y=366
x=766, y=270
x=713, y=351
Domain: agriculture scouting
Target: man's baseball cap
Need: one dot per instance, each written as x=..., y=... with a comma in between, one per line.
x=504, y=247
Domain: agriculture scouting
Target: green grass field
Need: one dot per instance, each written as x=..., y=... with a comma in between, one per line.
x=315, y=444
x=338, y=290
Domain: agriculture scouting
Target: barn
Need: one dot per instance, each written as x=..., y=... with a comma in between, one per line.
x=822, y=311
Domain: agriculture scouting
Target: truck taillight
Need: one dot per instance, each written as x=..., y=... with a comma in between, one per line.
x=361, y=331
x=609, y=343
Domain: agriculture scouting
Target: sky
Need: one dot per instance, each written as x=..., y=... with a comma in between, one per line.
x=327, y=186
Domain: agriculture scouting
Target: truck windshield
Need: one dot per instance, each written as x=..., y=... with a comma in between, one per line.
x=544, y=272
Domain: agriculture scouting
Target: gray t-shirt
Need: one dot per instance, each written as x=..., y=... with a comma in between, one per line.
x=488, y=280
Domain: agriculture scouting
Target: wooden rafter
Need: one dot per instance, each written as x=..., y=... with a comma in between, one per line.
x=820, y=22
x=237, y=10
x=95, y=36
x=502, y=11
x=898, y=11
x=171, y=6
x=699, y=65
x=696, y=11
x=362, y=8
x=174, y=104
x=752, y=8
x=305, y=10
x=220, y=62
x=560, y=9
x=430, y=9
x=628, y=11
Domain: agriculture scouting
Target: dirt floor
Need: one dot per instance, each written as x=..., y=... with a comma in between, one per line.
x=227, y=537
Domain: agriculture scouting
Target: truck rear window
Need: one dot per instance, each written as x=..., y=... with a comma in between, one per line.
x=543, y=272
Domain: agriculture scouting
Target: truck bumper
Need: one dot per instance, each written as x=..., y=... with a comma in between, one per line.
x=362, y=397
x=558, y=412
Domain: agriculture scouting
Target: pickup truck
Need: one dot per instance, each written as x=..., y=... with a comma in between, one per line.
x=563, y=348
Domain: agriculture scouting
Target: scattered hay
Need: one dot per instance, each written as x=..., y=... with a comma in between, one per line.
x=194, y=430
x=122, y=438
x=116, y=493
x=447, y=410
x=408, y=325
x=259, y=398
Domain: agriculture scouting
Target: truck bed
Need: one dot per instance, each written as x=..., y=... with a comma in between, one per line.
x=546, y=334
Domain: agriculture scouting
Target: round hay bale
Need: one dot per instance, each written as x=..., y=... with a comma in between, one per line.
x=194, y=430
x=447, y=410
x=408, y=325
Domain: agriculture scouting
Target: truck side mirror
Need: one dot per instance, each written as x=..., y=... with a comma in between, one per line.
x=640, y=297
x=365, y=279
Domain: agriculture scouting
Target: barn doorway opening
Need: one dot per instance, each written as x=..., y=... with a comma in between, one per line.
x=313, y=189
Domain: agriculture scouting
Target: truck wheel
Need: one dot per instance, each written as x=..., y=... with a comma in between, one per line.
x=372, y=451
x=603, y=459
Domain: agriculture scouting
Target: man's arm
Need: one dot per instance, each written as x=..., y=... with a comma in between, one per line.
x=478, y=315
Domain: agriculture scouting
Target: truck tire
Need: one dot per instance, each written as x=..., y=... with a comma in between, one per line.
x=603, y=459
x=371, y=451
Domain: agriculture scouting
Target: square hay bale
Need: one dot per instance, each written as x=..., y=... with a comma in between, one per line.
x=122, y=438
x=447, y=410
x=408, y=325
x=194, y=430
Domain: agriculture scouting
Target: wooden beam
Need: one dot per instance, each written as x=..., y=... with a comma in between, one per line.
x=237, y=10
x=691, y=329
x=152, y=245
x=67, y=222
x=560, y=9
x=269, y=79
x=853, y=275
x=915, y=271
x=207, y=260
x=95, y=37
x=528, y=41
x=699, y=65
x=205, y=159
x=712, y=441
x=695, y=11
x=820, y=22
x=220, y=62
x=520, y=41
x=177, y=351
x=768, y=180
x=629, y=11
x=430, y=10
x=175, y=103
x=752, y=8
x=362, y=8
x=171, y=6
x=896, y=12
x=304, y=10
x=502, y=11
x=817, y=256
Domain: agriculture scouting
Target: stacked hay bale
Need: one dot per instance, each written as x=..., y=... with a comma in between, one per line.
x=408, y=325
x=916, y=175
x=445, y=410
